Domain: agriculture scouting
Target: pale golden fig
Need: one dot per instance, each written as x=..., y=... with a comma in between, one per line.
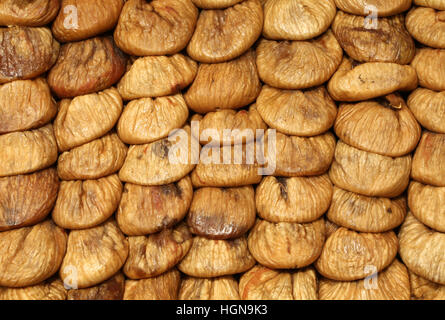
x=423, y=289
x=296, y=199
x=380, y=8
x=436, y=4
x=86, y=118
x=215, y=4
x=428, y=64
x=297, y=112
x=427, y=26
x=221, y=288
x=153, y=255
x=49, y=290
x=31, y=255
x=298, y=64
x=156, y=27
x=163, y=287
x=225, y=34
x=93, y=255
x=25, y=104
x=85, y=204
x=111, y=289
x=429, y=108
x=28, y=151
x=28, y=13
x=27, y=199
x=305, y=284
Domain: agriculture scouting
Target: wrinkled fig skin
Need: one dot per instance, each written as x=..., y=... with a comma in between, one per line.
x=427, y=26
x=222, y=213
x=88, y=203
x=422, y=289
x=384, y=8
x=27, y=199
x=215, y=4
x=221, y=288
x=27, y=151
x=390, y=42
x=215, y=258
x=93, y=255
x=25, y=104
x=298, y=64
x=48, y=290
x=93, y=18
x=34, y=13
x=153, y=255
x=26, y=53
x=370, y=80
x=366, y=214
x=286, y=245
x=369, y=174
x=436, y=4
x=157, y=27
x=31, y=255
x=111, y=289
x=428, y=64
x=428, y=161
x=429, y=108
x=297, y=199
x=86, y=118
x=157, y=76
x=161, y=116
x=86, y=67
x=163, y=287
x=228, y=85
x=149, y=209
x=225, y=34
x=297, y=19
x=422, y=250
x=297, y=112
x=382, y=127
x=93, y=160
x=427, y=204
x=393, y=284
x=346, y=254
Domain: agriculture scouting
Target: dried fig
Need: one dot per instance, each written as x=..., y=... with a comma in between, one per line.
x=28, y=13
x=222, y=213
x=156, y=27
x=436, y=4
x=86, y=204
x=111, y=289
x=157, y=76
x=215, y=4
x=297, y=112
x=28, y=151
x=82, y=19
x=27, y=199
x=429, y=108
x=215, y=258
x=427, y=26
x=382, y=8
x=86, y=66
x=86, y=118
x=153, y=255
x=286, y=245
x=298, y=64
x=369, y=174
x=163, y=287
x=30, y=255
x=25, y=104
x=221, y=288
x=225, y=34
x=428, y=64
x=147, y=120
x=297, y=199
x=422, y=289
x=93, y=255
x=228, y=85
x=51, y=290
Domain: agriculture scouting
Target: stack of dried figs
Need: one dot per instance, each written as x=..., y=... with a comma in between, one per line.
x=222, y=149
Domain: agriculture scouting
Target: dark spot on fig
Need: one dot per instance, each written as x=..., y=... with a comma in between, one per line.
x=161, y=148
x=389, y=210
x=172, y=188
x=283, y=187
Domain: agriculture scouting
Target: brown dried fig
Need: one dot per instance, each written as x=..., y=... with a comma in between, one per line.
x=298, y=64
x=222, y=213
x=215, y=4
x=50, y=290
x=225, y=34
x=86, y=118
x=147, y=120
x=436, y=4
x=93, y=255
x=82, y=19
x=296, y=199
x=221, y=288
x=229, y=85
x=427, y=26
x=429, y=108
x=428, y=64
x=163, y=287
x=31, y=255
x=297, y=112
x=28, y=151
x=381, y=8
x=34, y=13
x=422, y=289
x=157, y=76
x=86, y=66
x=111, y=289
x=215, y=258
x=26, y=52
x=25, y=104
x=86, y=204
x=27, y=199
x=369, y=174
x=156, y=27
x=153, y=255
